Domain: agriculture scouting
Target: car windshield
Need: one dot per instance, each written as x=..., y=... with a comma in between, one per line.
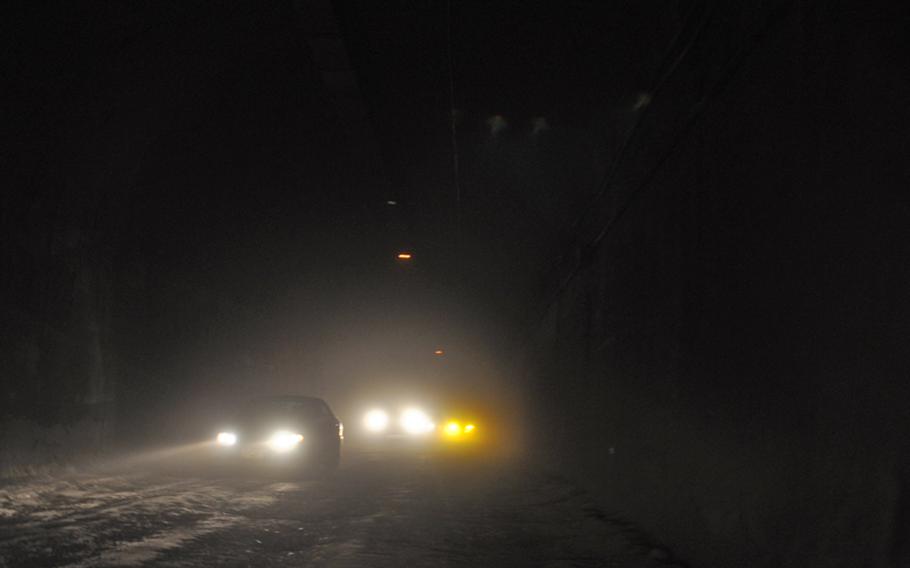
x=271, y=407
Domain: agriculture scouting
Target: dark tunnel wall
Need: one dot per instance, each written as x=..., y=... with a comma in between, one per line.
x=725, y=365
x=148, y=163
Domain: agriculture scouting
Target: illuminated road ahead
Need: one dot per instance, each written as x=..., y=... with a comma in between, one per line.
x=380, y=509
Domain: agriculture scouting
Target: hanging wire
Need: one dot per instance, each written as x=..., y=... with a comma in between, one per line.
x=456, y=182
x=735, y=63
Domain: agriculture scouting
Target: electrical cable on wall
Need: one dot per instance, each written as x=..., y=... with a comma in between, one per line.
x=453, y=127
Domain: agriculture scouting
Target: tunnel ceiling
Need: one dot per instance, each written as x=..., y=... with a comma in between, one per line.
x=225, y=170
x=544, y=94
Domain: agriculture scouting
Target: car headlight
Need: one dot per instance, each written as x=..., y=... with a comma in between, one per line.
x=226, y=438
x=284, y=441
x=376, y=420
x=415, y=421
x=454, y=429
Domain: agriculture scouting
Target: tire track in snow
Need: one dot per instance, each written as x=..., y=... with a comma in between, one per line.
x=134, y=553
x=135, y=527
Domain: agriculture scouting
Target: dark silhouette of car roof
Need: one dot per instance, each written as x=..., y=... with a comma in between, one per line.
x=287, y=403
x=287, y=398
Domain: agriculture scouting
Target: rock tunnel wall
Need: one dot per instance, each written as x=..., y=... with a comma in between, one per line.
x=723, y=359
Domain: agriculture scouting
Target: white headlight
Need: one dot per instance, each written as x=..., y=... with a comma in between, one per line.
x=226, y=438
x=415, y=421
x=284, y=441
x=376, y=420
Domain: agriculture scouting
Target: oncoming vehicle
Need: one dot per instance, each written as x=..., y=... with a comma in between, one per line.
x=459, y=431
x=285, y=429
x=410, y=422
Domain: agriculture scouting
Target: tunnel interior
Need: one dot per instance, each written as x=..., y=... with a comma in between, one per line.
x=658, y=248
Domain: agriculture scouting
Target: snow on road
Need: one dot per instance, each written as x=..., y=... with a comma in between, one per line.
x=380, y=509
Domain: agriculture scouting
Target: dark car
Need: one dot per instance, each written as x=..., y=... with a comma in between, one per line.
x=285, y=429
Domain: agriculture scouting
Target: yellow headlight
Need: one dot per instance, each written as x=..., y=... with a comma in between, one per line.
x=454, y=429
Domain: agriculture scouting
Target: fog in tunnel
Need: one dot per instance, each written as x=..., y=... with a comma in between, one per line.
x=651, y=250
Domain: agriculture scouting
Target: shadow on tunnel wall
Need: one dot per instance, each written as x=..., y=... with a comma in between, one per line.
x=723, y=358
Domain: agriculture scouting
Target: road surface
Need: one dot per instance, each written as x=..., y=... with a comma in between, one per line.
x=382, y=508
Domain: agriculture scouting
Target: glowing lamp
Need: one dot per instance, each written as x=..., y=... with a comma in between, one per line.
x=415, y=421
x=226, y=438
x=284, y=441
x=376, y=420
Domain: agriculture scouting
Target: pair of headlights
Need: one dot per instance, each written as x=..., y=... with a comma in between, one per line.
x=280, y=441
x=454, y=429
x=413, y=421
